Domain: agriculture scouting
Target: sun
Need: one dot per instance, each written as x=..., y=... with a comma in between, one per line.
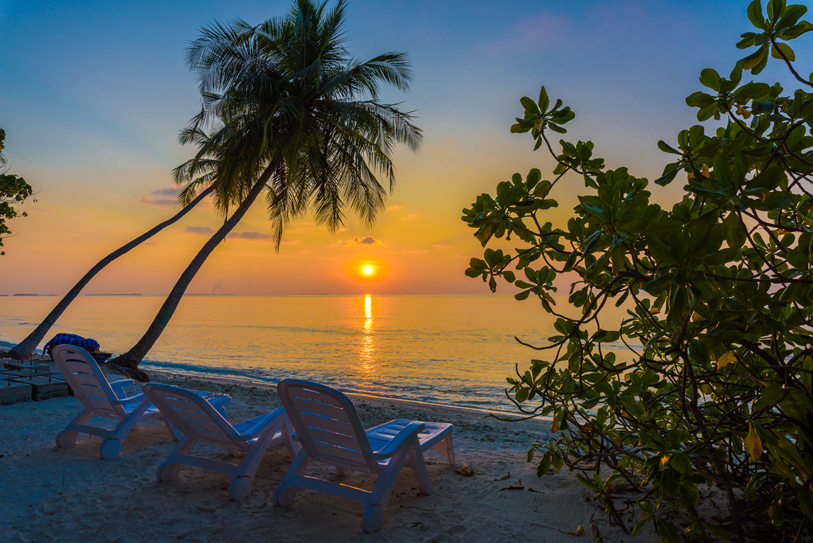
x=368, y=270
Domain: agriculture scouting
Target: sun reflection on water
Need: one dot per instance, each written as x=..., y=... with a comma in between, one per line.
x=367, y=353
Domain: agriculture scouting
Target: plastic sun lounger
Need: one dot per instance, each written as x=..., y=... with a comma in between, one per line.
x=102, y=398
x=198, y=421
x=329, y=430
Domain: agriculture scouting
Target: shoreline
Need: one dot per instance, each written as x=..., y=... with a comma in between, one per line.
x=53, y=493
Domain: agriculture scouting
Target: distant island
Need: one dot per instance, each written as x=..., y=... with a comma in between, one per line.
x=133, y=294
x=23, y=294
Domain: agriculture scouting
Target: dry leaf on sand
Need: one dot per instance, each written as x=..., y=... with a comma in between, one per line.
x=578, y=531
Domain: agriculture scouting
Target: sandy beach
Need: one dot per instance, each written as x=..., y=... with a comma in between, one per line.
x=71, y=494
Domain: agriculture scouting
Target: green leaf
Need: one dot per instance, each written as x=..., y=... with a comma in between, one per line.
x=529, y=105
x=666, y=149
x=805, y=501
x=544, y=101
x=796, y=31
x=785, y=49
x=735, y=233
x=666, y=532
x=752, y=60
x=710, y=78
x=755, y=15
x=791, y=16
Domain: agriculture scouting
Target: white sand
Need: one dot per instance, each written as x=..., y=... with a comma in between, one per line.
x=71, y=494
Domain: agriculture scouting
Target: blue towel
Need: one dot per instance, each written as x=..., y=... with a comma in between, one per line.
x=72, y=339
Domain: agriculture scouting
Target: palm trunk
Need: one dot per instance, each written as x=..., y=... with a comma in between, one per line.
x=128, y=362
x=24, y=349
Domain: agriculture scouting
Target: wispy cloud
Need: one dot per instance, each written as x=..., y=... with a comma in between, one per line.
x=359, y=242
x=393, y=208
x=251, y=235
x=410, y=216
x=162, y=197
x=199, y=230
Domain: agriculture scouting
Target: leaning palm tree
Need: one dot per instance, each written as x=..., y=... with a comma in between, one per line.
x=24, y=349
x=288, y=112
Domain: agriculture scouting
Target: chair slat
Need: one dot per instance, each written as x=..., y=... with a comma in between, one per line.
x=183, y=405
x=314, y=395
x=341, y=440
x=322, y=409
x=332, y=454
x=79, y=367
x=203, y=426
x=331, y=425
x=94, y=392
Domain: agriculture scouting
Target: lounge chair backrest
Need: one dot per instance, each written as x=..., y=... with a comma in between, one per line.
x=87, y=381
x=192, y=415
x=327, y=425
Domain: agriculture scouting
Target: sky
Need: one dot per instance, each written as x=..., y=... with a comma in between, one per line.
x=94, y=94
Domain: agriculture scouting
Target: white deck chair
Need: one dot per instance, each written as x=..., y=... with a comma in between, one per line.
x=101, y=398
x=329, y=430
x=197, y=420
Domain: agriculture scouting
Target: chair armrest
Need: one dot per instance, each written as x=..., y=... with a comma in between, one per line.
x=137, y=398
x=401, y=439
x=118, y=387
x=261, y=423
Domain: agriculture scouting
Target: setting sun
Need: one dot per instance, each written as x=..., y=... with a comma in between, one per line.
x=367, y=269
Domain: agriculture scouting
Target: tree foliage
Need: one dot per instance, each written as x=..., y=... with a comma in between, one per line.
x=708, y=380
x=13, y=190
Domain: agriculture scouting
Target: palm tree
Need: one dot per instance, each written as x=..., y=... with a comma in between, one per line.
x=288, y=111
x=24, y=349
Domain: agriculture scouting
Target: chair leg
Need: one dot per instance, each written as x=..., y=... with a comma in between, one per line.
x=387, y=478
x=446, y=448
x=418, y=465
x=285, y=493
x=68, y=437
x=127, y=423
x=292, y=446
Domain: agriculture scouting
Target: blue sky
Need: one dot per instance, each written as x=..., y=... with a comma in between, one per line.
x=94, y=94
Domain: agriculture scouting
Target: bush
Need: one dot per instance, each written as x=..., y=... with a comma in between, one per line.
x=715, y=381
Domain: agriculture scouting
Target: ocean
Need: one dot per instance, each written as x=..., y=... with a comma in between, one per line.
x=447, y=349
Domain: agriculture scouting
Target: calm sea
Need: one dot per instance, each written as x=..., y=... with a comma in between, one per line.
x=454, y=350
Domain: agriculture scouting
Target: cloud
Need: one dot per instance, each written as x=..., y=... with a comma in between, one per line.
x=439, y=246
x=393, y=208
x=342, y=229
x=410, y=216
x=359, y=242
x=415, y=251
x=162, y=197
x=250, y=235
x=199, y=230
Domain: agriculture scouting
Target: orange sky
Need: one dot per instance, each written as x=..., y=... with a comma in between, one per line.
x=100, y=93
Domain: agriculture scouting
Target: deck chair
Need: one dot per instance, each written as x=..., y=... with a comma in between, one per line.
x=329, y=430
x=198, y=421
x=101, y=398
